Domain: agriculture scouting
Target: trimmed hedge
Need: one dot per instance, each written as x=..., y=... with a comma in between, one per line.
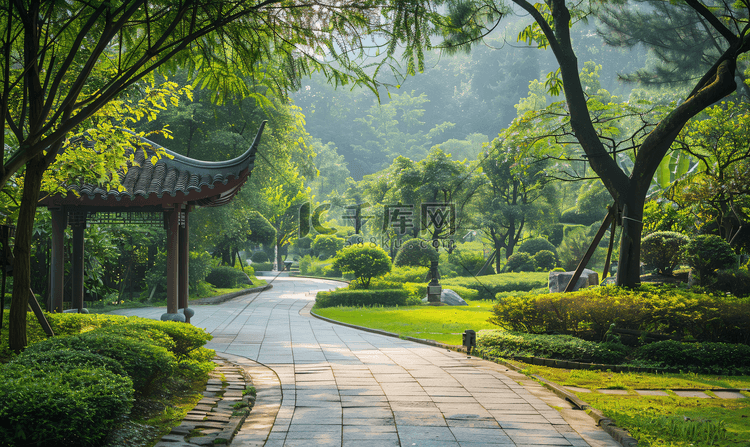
x=698, y=357
x=662, y=310
x=345, y=297
x=262, y=266
x=185, y=338
x=225, y=277
x=63, y=406
x=490, y=285
x=663, y=250
x=563, y=347
x=535, y=245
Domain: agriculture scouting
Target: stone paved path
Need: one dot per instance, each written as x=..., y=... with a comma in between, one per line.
x=344, y=387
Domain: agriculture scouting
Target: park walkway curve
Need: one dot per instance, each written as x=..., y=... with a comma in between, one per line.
x=342, y=387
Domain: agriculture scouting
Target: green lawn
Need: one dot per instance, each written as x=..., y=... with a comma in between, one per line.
x=663, y=421
x=440, y=323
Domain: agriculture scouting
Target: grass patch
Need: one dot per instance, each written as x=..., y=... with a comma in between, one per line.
x=444, y=324
x=642, y=381
x=663, y=421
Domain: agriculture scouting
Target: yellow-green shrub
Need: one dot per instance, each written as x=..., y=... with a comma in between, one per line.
x=590, y=312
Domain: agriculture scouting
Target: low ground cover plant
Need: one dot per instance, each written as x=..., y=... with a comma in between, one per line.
x=497, y=343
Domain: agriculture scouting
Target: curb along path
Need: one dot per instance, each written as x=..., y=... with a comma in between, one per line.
x=217, y=417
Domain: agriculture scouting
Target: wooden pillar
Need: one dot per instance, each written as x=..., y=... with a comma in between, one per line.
x=172, y=225
x=78, y=247
x=57, y=264
x=184, y=260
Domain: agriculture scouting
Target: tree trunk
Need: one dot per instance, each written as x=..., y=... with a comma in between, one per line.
x=22, y=253
x=629, y=264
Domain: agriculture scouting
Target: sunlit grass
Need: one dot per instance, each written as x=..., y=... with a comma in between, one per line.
x=662, y=421
x=444, y=324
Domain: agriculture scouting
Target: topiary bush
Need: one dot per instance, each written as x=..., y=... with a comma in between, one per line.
x=345, y=297
x=707, y=253
x=520, y=262
x=225, y=277
x=416, y=252
x=263, y=266
x=535, y=245
x=259, y=256
x=364, y=262
x=564, y=347
x=467, y=263
x=75, y=404
x=199, y=267
x=663, y=250
x=185, y=338
x=404, y=274
x=326, y=245
x=545, y=260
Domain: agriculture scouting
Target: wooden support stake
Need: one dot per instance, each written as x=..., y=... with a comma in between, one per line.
x=590, y=251
x=612, y=232
x=34, y=304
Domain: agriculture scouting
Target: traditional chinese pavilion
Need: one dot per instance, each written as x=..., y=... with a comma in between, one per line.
x=161, y=193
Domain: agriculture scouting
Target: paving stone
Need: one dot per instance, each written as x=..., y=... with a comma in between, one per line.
x=729, y=395
x=652, y=392
x=616, y=392
x=694, y=393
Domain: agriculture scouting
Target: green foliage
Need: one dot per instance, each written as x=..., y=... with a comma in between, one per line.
x=76, y=404
x=545, y=260
x=68, y=360
x=199, y=267
x=259, y=256
x=574, y=247
x=330, y=271
x=225, y=277
x=465, y=263
x=590, y=313
x=520, y=262
x=185, y=338
x=364, y=262
x=663, y=250
x=706, y=253
x=345, y=297
x=490, y=285
x=415, y=252
x=263, y=266
x=535, y=245
x=710, y=358
x=664, y=217
x=403, y=274
x=736, y=282
x=261, y=231
x=464, y=292
x=555, y=233
x=506, y=344
x=326, y=245
x=142, y=360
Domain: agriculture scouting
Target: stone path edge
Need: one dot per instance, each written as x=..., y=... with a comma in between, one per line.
x=618, y=434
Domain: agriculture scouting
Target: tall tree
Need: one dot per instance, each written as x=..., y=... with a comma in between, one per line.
x=62, y=61
x=552, y=29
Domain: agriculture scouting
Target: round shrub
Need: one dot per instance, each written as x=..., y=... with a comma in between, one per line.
x=535, y=245
x=199, y=267
x=143, y=361
x=520, y=262
x=182, y=338
x=663, y=250
x=416, y=252
x=364, y=262
x=225, y=277
x=467, y=263
x=707, y=252
x=545, y=259
x=60, y=407
x=259, y=256
x=326, y=245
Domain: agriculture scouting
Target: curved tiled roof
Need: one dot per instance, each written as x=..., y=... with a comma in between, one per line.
x=174, y=178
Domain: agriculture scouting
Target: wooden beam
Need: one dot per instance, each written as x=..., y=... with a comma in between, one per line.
x=590, y=251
